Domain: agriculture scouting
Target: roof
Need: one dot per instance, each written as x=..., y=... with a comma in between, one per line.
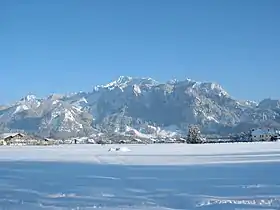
x=5, y=135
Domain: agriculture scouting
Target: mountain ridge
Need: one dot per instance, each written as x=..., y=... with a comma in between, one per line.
x=135, y=102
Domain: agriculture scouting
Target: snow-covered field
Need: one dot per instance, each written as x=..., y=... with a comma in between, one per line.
x=152, y=154
x=162, y=176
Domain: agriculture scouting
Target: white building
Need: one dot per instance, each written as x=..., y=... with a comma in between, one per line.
x=262, y=134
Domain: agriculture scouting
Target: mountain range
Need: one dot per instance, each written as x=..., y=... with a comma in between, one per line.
x=141, y=104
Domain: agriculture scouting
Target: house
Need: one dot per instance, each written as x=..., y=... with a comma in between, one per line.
x=136, y=141
x=263, y=134
x=8, y=138
x=48, y=141
x=122, y=142
x=181, y=140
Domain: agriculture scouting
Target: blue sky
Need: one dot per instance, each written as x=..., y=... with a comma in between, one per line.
x=71, y=45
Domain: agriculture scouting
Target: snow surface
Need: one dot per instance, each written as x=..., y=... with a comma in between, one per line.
x=148, y=177
x=150, y=154
x=119, y=149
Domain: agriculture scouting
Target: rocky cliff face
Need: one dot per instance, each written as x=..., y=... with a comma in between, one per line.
x=139, y=103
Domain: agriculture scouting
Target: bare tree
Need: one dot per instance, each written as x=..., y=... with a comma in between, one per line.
x=194, y=136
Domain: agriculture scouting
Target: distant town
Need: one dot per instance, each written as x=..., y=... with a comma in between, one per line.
x=193, y=137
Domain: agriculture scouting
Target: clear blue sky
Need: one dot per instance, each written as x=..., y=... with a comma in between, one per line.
x=71, y=45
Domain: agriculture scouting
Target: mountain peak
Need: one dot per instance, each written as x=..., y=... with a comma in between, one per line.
x=55, y=96
x=124, y=81
x=29, y=97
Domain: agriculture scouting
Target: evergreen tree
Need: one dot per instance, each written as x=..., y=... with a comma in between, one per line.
x=194, y=136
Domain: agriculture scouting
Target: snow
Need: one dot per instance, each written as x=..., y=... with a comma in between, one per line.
x=69, y=116
x=119, y=149
x=151, y=154
x=28, y=102
x=136, y=90
x=55, y=102
x=211, y=118
x=121, y=83
x=78, y=105
x=29, y=98
x=148, y=131
x=21, y=108
x=147, y=177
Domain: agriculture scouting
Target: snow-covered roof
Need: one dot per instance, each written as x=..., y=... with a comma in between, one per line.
x=5, y=135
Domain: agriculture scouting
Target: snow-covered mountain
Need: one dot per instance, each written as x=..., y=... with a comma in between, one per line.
x=142, y=104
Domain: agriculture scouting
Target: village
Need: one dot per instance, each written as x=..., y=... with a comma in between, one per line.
x=24, y=139
x=194, y=137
